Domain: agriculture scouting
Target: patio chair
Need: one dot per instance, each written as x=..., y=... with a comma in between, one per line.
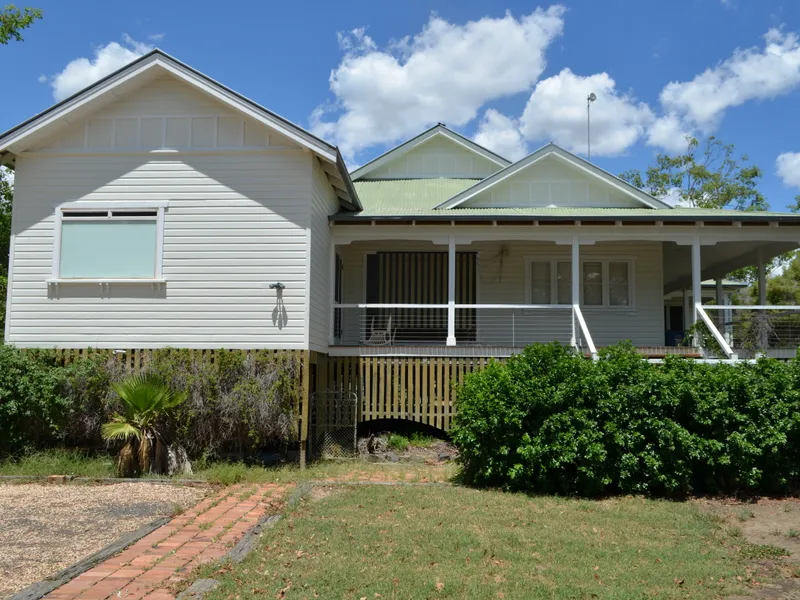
x=381, y=337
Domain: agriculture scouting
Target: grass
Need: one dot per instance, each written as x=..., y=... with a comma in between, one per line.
x=451, y=542
x=793, y=533
x=65, y=462
x=59, y=462
x=401, y=443
x=762, y=551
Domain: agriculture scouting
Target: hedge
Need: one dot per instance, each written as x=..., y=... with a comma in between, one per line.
x=549, y=420
x=240, y=402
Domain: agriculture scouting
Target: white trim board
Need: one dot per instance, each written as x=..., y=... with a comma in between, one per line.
x=571, y=159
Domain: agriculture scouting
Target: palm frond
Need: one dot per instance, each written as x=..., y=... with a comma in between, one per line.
x=120, y=429
x=146, y=396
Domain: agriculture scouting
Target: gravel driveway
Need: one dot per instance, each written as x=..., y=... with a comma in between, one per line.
x=46, y=528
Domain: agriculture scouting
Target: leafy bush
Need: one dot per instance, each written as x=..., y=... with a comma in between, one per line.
x=236, y=401
x=549, y=420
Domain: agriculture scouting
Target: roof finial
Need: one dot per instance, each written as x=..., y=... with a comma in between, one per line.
x=440, y=124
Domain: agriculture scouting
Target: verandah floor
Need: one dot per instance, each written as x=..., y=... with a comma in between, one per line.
x=483, y=351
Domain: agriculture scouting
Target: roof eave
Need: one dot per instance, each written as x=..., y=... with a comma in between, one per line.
x=656, y=217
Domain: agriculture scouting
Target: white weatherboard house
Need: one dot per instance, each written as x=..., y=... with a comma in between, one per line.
x=159, y=208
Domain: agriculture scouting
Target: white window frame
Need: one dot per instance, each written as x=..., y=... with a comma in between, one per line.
x=604, y=260
x=159, y=206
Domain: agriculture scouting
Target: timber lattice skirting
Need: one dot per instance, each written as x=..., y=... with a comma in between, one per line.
x=420, y=389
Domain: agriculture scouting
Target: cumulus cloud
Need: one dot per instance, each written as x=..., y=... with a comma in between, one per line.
x=500, y=134
x=669, y=132
x=446, y=73
x=749, y=74
x=556, y=111
x=82, y=72
x=788, y=167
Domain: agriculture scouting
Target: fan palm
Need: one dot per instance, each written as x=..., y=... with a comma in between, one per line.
x=145, y=398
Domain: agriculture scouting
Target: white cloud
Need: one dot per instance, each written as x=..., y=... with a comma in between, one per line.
x=750, y=74
x=501, y=134
x=669, y=132
x=82, y=72
x=155, y=37
x=556, y=111
x=446, y=73
x=788, y=167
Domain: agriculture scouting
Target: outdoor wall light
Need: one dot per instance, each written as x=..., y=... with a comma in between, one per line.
x=276, y=286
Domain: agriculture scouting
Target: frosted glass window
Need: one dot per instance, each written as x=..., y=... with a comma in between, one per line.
x=593, y=283
x=110, y=248
x=540, y=282
x=618, y=284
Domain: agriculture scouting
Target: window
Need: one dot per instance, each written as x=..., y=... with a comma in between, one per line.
x=619, y=292
x=105, y=244
x=605, y=282
x=550, y=282
x=592, y=284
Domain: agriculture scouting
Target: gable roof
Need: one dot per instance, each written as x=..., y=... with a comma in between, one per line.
x=438, y=130
x=156, y=62
x=576, y=161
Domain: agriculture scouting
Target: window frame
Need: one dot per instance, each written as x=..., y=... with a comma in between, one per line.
x=109, y=207
x=604, y=260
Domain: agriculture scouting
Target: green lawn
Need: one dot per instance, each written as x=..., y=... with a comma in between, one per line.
x=448, y=542
x=79, y=464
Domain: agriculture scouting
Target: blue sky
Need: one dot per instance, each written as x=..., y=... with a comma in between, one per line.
x=368, y=74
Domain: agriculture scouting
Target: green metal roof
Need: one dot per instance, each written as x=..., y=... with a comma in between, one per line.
x=416, y=198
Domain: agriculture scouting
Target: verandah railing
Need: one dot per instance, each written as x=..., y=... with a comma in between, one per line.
x=748, y=330
x=487, y=325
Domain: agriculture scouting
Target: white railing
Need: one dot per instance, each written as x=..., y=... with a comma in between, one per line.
x=581, y=332
x=742, y=330
x=723, y=343
x=488, y=325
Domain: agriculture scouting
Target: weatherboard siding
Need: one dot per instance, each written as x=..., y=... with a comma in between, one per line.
x=324, y=203
x=438, y=157
x=235, y=224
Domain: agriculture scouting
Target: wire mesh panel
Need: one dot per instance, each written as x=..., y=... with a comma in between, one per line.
x=334, y=421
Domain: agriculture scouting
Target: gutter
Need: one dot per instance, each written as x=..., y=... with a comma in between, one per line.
x=664, y=218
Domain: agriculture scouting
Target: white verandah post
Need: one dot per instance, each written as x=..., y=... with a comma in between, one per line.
x=697, y=293
x=451, y=292
x=576, y=284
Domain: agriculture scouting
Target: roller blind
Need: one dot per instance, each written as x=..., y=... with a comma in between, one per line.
x=112, y=248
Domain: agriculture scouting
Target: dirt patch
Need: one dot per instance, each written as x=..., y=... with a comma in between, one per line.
x=766, y=527
x=378, y=448
x=46, y=528
x=320, y=492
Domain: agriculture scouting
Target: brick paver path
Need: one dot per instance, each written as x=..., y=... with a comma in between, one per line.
x=166, y=556
x=203, y=534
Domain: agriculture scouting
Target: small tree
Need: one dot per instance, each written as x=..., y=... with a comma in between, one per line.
x=145, y=399
x=14, y=20
x=705, y=176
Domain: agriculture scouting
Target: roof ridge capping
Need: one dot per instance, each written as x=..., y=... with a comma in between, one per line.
x=158, y=58
x=552, y=149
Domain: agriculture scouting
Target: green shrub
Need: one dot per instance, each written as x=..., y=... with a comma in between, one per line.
x=548, y=420
x=237, y=401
